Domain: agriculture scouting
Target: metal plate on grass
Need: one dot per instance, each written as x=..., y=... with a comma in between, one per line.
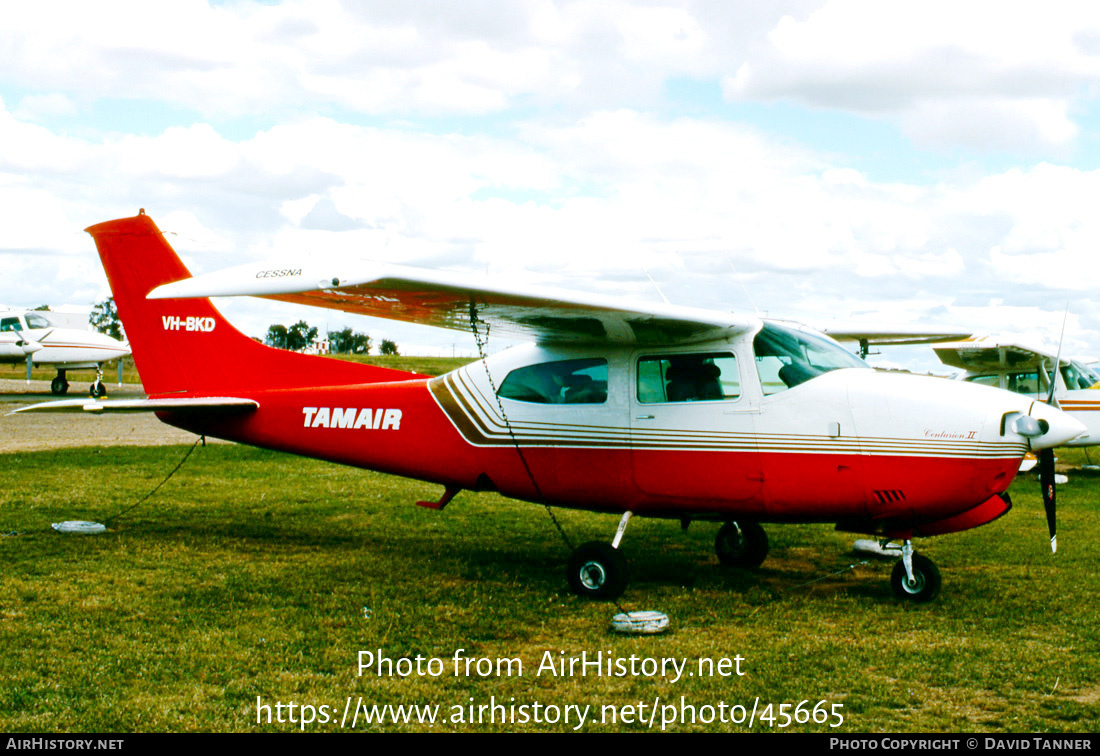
x=79, y=526
x=640, y=623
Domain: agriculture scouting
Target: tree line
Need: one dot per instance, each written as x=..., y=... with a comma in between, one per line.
x=345, y=341
x=104, y=318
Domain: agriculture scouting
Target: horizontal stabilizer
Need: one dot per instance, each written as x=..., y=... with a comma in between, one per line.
x=205, y=404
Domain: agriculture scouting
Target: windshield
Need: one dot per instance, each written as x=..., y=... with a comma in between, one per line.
x=786, y=357
x=37, y=320
x=1077, y=376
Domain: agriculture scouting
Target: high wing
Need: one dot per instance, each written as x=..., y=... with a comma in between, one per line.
x=455, y=300
x=892, y=334
x=996, y=353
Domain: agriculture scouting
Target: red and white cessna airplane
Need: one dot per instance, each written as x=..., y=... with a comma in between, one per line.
x=618, y=406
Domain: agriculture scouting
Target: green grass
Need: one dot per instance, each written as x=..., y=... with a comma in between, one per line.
x=252, y=573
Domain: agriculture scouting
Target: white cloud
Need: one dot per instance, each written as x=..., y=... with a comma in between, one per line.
x=583, y=180
x=42, y=106
x=990, y=74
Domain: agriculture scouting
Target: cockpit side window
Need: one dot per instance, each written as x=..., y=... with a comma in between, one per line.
x=786, y=357
x=581, y=381
x=710, y=376
x=10, y=324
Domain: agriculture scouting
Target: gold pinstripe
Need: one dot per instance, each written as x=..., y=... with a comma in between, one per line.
x=477, y=418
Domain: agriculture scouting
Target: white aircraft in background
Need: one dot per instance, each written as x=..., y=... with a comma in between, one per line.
x=34, y=337
x=1025, y=366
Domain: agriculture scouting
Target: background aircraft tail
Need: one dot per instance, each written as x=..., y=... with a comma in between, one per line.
x=186, y=345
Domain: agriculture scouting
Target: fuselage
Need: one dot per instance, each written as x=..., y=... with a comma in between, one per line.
x=714, y=430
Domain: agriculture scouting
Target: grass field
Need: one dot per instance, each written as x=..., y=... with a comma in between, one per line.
x=256, y=574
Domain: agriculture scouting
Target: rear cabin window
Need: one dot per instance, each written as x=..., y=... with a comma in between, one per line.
x=986, y=380
x=563, y=382
x=1021, y=382
x=704, y=377
x=1024, y=382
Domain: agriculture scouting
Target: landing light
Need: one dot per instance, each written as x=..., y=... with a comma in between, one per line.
x=1029, y=427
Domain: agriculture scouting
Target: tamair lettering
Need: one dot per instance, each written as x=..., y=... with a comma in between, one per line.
x=176, y=323
x=352, y=418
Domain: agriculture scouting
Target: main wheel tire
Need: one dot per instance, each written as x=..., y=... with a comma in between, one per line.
x=59, y=385
x=597, y=571
x=926, y=580
x=741, y=544
x=98, y=389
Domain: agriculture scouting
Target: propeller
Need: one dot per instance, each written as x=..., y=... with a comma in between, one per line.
x=1050, y=493
x=1047, y=482
x=29, y=345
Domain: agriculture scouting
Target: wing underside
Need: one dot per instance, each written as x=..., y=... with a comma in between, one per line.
x=893, y=335
x=459, y=301
x=989, y=353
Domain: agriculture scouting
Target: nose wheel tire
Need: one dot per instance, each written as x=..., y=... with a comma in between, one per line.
x=98, y=389
x=598, y=571
x=925, y=585
x=741, y=544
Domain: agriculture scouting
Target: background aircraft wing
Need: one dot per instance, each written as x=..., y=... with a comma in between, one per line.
x=892, y=335
x=450, y=300
x=994, y=353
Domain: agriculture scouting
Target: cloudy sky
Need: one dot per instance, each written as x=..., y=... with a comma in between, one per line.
x=930, y=163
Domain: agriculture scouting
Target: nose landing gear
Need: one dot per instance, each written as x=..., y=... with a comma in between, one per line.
x=915, y=577
x=98, y=389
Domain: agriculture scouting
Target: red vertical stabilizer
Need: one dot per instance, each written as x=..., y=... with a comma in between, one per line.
x=186, y=345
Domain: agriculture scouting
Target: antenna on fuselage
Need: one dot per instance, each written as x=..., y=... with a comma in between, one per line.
x=655, y=286
x=744, y=288
x=1051, y=400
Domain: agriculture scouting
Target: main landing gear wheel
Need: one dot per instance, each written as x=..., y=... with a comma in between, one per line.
x=59, y=385
x=596, y=570
x=741, y=544
x=925, y=584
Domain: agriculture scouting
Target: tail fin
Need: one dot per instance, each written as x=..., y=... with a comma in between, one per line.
x=186, y=345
